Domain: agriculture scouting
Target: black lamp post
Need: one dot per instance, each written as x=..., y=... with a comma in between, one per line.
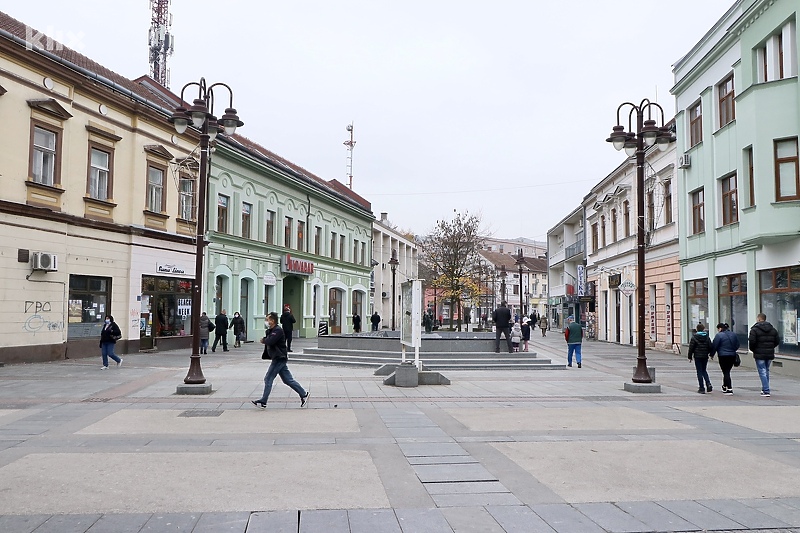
x=647, y=134
x=200, y=115
x=520, y=260
x=503, y=275
x=393, y=262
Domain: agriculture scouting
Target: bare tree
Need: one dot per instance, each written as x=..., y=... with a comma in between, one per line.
x=451, y=252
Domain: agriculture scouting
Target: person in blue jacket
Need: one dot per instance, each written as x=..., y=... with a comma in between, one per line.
x=725, y=345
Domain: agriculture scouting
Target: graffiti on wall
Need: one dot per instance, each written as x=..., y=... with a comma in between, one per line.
x=35, y=322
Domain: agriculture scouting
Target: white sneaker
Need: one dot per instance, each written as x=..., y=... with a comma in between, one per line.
x=120, y=362
x=103, y=368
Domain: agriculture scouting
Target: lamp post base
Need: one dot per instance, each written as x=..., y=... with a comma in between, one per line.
x=643, y=387
x=194, y=388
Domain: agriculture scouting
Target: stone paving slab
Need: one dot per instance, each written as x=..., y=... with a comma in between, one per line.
x=611, y=518
x=765, y=418
x=331, y=521
x=428, y=449
x=743, y=514
x=566, y=519
x=451, y=473
x=602, y=471
x=656, y=517
x=422, y=521
x=700, y=515
x=140, y=482
x=252, y=420
x=449, y=459
x=519, y=519
x=373, y=521
x=273, y=522
x=550, y=419
x=471, y=520
x=475, y=500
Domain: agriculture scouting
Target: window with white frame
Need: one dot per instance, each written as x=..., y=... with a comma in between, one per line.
x=787, y=173
x=43, y=156
x=776, y=58
x=186, y=198
x=155, y=189
x=99, y=174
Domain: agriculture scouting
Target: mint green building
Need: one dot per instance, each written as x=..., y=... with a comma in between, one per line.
x=738, y=121
x=280, y=235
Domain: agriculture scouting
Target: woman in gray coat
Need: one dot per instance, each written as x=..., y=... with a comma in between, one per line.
x=205, y=329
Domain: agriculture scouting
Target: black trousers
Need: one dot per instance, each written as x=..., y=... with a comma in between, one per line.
x=725, y=364
x=288, y=334
x=507, y=333
x=217, y=337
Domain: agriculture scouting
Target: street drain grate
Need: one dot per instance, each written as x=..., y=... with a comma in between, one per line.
x=195, y=413
x=101, y=400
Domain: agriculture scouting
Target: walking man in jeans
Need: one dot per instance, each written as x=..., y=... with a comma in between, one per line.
x=573, y=334
x=502, y=323
x=762, y=342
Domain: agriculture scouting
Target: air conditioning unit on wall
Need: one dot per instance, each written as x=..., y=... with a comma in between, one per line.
x=44, y=261
x=684, y=161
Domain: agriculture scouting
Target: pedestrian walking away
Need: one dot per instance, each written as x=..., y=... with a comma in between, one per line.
x=573, y=334
x=356, y=323
x=221, y=331
x=237, y=323
x=287, y=323
x=109, y=336
x=543, y=325
x=526, y=333
x=502, y=322
x=762, y=341
x=516, y=336
x=206, y=327
x=700, y=348
x=275, y=349
x=375, y=319
x=724, y=347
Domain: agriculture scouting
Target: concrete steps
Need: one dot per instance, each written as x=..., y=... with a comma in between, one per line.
x=439, y=361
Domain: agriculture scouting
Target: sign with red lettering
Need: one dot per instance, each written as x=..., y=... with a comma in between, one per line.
x=290, y=265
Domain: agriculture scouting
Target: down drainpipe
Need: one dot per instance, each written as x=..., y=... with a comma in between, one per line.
x=308, y=215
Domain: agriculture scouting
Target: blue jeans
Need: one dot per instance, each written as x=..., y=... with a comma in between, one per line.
x=574, y=348
x=107, y=349
x=701, y=365
x=278, y=368
x=763, y=372
x=203, y=345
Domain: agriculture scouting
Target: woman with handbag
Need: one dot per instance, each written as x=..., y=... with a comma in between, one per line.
x=275, y=349
x=238, y=329
x=109, y=336
x=206, y=327
x=725, y=345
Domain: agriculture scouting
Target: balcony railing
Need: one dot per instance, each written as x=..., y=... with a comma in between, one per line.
x=574, y=249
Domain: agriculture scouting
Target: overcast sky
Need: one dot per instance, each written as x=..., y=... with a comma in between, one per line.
x=499, y=108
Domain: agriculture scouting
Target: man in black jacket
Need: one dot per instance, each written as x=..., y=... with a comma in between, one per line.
x=762, y=342
x=502, y=322
x=221, y=331
x=287, y=323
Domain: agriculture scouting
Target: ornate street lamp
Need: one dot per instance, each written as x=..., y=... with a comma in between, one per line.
x=393, y=262
x=200, y=115
x=520, y=260
x=647, y=134
x=503, y=275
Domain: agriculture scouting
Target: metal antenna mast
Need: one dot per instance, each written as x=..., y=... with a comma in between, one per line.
x=350, y=145
x=160, y=41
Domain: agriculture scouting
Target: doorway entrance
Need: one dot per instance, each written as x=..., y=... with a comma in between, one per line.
x=335, y=297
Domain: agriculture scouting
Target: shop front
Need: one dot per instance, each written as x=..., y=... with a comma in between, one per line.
x=165, y=320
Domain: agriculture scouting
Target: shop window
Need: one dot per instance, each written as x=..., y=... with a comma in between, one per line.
x=780, y=301
x=166, y=306
x=697, y=303
x=733, y=304
x=89, y=303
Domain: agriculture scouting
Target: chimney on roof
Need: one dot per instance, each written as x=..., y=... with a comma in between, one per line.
x=384, y=217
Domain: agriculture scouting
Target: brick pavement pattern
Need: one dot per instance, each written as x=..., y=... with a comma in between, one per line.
x=496, y=451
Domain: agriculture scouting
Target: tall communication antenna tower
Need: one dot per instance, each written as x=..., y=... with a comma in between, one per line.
x=160, y=41
x=350, y=145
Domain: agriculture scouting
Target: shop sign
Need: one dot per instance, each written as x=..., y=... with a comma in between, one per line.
x=296, y=266
x=270, y=279
x=627, y=287
x=581, y=280
x=165, y=268
x=614, y=281
x=668, y=318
